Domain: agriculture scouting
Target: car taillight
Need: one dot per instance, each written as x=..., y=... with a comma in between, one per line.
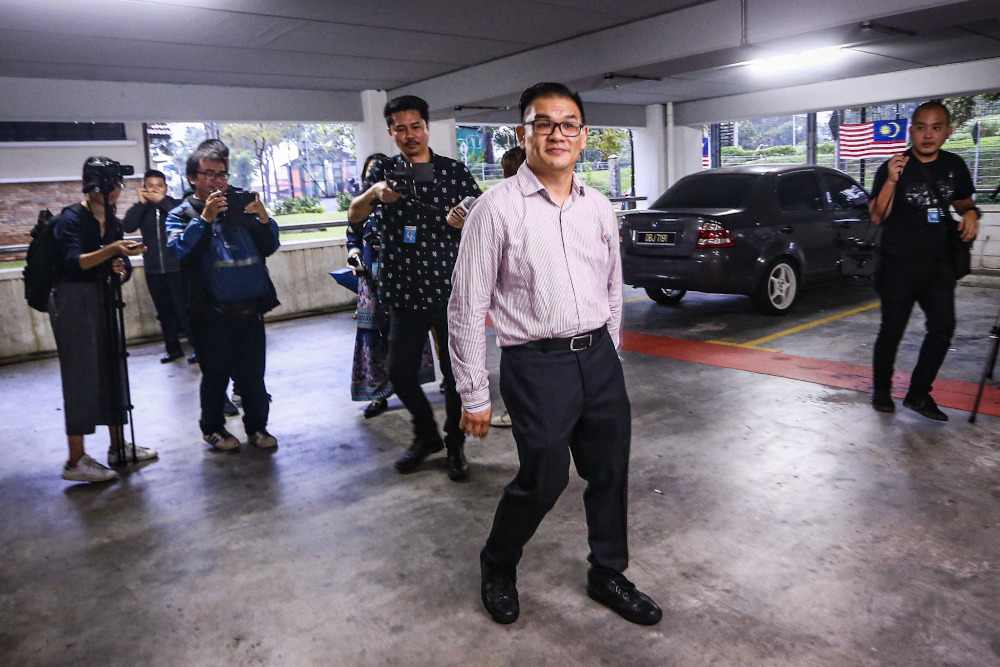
x=714, y=235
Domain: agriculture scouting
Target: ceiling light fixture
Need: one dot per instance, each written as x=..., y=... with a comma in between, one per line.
x=795, y=61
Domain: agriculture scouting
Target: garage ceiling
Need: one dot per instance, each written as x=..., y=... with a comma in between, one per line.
x=469, y=54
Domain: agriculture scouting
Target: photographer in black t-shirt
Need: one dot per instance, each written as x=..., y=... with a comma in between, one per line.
x=915, y=257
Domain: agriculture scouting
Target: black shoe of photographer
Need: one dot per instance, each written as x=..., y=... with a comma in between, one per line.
x=171, y=356
x=924, y=405
x=621, y=596
x=375, y=408
x=416, y=453
x=229, y=408
x=458, y=465
x=499, y=592
x=193, y=359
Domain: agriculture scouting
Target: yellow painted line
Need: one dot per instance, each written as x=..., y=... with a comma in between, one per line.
x=638, y=298
x=812, y=324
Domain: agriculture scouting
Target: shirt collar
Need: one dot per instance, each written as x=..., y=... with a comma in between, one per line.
x=529, y=183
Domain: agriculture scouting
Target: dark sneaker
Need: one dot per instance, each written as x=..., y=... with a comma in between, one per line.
x=229, y=408
x=172, y=356
x=621, y=595
x=499, y=592
x=926, y=406
x=882, y=401
x=262, y=439
x=417, y=452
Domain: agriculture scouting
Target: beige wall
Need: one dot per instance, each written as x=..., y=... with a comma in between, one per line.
x=298, y=270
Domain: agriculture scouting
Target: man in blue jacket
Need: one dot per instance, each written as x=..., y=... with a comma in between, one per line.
x=221, y=251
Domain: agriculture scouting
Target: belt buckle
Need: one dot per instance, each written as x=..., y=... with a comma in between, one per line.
x=589, y=337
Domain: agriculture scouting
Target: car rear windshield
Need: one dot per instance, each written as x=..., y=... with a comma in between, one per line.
x=708, y=191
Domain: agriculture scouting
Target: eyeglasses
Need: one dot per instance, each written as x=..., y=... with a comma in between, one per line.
x=547, y=127
x=212, y=175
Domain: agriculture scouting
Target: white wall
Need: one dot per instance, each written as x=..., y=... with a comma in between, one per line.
x=63, y=160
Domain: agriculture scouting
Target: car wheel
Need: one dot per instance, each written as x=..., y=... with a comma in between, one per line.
x=778, y=289
x=664, y=295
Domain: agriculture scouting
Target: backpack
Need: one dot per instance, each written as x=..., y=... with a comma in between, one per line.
x=43, y=259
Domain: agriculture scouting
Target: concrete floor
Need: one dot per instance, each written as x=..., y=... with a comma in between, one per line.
x=777, y=522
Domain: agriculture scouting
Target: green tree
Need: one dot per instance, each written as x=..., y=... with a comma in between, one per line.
x=608, y=141
x=260, y=139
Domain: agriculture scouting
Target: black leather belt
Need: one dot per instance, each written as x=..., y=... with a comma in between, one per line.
x=577, y=343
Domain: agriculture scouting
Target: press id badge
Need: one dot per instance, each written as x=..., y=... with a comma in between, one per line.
x=410, y=234
x=933, y=215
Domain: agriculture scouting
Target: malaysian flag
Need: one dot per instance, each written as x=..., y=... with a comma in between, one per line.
x=880, y=138
x=705, y=161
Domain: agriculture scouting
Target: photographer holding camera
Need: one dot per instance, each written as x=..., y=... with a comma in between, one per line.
x=91, y=252
x=221, y=236
x=418, y=192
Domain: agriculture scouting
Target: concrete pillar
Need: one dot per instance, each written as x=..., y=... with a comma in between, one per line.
x=444, y=137
x=371, y=135
x=649, y=156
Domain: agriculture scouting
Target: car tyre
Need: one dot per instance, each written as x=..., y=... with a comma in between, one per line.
x=778, y=289
x=664, y=295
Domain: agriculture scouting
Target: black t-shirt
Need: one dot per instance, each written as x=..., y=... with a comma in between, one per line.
x=419, y=247
x=909, y=239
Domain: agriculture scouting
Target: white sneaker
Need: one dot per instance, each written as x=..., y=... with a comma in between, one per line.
x=141, y=454
x=221, y=440
x=503, y=421
x=88, y=470
x=263, y=439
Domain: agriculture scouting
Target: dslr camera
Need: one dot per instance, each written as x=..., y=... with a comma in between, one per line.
x=406, y=176
x=106, y=174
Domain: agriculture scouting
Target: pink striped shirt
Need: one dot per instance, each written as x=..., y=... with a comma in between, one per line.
x=538, y=269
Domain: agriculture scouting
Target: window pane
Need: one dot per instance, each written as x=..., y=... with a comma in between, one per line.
x=710, y=190
x=799, y=191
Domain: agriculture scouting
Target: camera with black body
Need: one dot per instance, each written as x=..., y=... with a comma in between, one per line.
x=406, y=176
x=236, y=202
x=105, y=175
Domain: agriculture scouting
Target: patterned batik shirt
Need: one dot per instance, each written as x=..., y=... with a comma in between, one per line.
x=419, y=247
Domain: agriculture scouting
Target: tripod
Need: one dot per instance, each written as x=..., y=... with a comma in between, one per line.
x=991, y=361
x=114, y=318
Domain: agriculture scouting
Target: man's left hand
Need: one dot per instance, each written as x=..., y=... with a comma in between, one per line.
x=256, y=207
x=968, y=226
x=455, y=218
x=476, y=424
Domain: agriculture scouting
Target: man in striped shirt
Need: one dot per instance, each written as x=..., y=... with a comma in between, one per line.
x=539, y=253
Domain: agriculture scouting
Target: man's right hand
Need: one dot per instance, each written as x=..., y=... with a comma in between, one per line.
x=476, y=424
x=895, y=166
x=214, y=205
x=384, y=193
x=151, y=196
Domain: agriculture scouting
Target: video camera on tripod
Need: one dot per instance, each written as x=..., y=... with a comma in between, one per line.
x=106, y=174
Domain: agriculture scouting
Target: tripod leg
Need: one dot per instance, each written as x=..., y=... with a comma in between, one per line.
x=123, y=348
x=114, y=356
x=987, y=373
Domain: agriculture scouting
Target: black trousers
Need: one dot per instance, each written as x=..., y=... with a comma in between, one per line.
x=562, y=403
x=407, y=336
x=231, y=347
x=166, y=290
x=934, y=291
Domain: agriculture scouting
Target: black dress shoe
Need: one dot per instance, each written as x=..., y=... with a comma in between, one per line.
x=167, y=358
x=417, y=452
x=458, y=465
x=229, y=408
x=926, y=406
x=375, y=408
x=499, y=593
x=193, y=359
x=621, y=596
x=882, y=401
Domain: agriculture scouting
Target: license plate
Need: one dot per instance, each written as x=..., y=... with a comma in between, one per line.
x=656, y=238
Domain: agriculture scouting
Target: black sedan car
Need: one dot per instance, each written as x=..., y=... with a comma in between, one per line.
x=762, y=230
